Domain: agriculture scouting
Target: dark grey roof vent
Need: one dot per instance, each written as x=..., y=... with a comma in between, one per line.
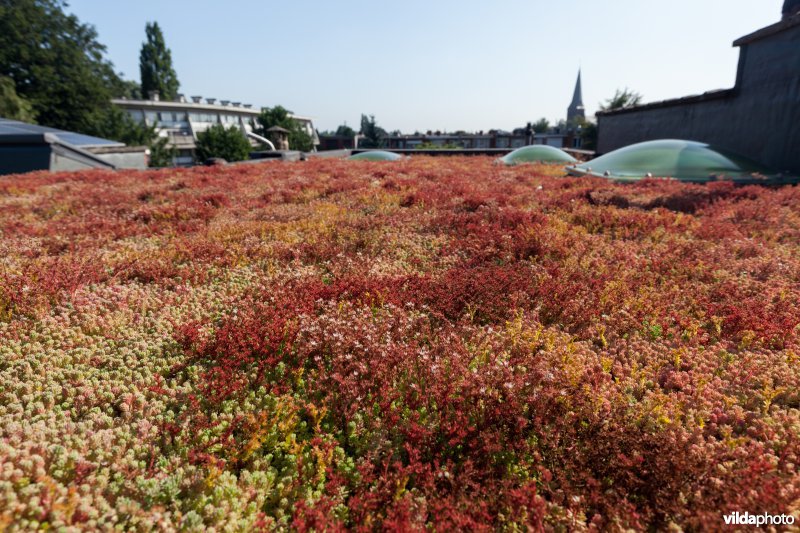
x=196, y=99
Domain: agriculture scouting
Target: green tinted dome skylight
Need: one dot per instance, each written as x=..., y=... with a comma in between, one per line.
x=670, y=158
x=539, y=153
x=375, y=155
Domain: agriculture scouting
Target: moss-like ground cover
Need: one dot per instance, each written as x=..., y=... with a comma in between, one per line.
x=430, y=343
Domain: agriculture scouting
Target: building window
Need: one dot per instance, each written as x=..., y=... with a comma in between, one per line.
x=136, y=115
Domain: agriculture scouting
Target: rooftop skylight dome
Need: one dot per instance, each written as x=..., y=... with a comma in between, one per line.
x=678, y=159
x=538, y=153
x=375, y=155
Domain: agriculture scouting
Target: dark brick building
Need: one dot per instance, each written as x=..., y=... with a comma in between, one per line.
x=757, y=118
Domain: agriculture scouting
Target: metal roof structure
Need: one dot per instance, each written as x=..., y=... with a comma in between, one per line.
x=28, y=147
x=15, y=128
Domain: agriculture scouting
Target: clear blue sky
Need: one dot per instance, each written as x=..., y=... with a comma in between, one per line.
x=419, y=65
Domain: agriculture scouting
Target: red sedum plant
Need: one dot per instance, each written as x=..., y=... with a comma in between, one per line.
x=435, y=343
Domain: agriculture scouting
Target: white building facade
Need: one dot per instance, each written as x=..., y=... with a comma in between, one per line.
x=181, y=120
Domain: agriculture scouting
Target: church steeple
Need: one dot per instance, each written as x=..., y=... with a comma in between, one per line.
x=576, y=109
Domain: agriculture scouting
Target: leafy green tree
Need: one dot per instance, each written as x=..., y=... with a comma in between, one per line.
x=541, y=125
x=155, y=65
x=218, y=141
x=129, y=89
x=345, y=131
x=281, y=117
x=622, y=98
x=161, y=153
x=56, y=63
x=11, y=104
x=589, y=135
x=118, y=125
x=114, y=123
x=373, y=134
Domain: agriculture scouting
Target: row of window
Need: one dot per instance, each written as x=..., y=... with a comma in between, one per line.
x=178, y=118
x=500, y=142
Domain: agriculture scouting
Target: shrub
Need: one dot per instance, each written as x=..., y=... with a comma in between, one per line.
x=226, y=143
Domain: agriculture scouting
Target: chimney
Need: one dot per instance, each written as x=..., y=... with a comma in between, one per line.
x=153, y=95
x=248, y=106
x=181, y=98
x=211, y=100
x=196, y=99
x=790, y=8
x=237, y=104
x=225, y=102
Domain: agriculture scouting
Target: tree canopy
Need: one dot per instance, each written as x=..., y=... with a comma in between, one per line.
x=541, y=126
x=12, y=105
x=56, y=64
x=118, y=125
x=622, y=98
x=281, y=117
x=228, y=143
x=155, y=65
x=345, y=131
x=589, y=135
x=373, y=135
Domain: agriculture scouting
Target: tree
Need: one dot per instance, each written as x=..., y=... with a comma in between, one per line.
x=217, y=141
x=589, y=135
x=161, y=153
x=622, y=98
x=56, y=64
x=155, y=65
x=12, y=105
x=129, y=89
x=281, y=117
x=114, y=123
x=345, y=131
x=373, y=134
x=541, y=125
x=118, y=125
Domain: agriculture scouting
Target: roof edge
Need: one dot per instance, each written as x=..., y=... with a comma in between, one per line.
x=719, y=94
x=766, y=31
x=199, y=106
x=58, y=145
